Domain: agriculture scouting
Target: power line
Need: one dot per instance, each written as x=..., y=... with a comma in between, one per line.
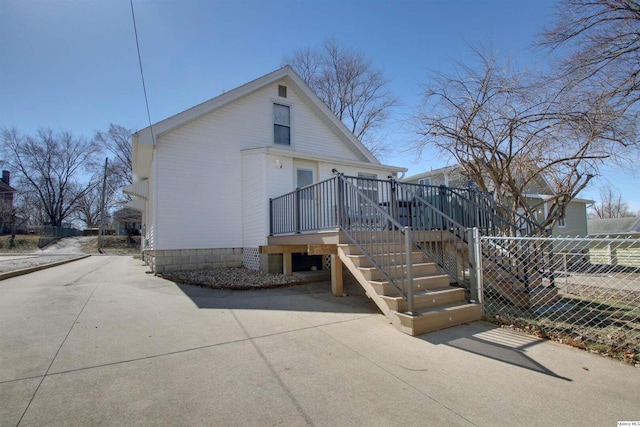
x=144, y=86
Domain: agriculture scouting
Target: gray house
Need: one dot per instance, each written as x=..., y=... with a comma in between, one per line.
x=573, y=224
x=614, y=227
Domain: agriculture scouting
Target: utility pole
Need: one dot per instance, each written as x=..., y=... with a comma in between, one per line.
x=102, y=203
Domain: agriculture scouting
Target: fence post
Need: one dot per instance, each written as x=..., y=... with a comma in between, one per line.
x=409, y=276
x=270, y=216
x=340, y=202
x=394, y=207
x=297, y=209
x=475, y=265
x=444, y=208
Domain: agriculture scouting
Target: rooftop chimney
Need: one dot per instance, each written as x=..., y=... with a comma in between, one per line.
x=6, y=177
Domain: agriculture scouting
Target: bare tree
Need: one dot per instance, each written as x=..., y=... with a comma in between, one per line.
x=611, y=205
x=88, y=208
x=515, y=134
x=117, y=141
x=349, y=85
x=599, y=41
x=48, y=166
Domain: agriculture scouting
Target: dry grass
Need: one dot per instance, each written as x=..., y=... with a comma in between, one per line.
x=115, y=245
x=22, y=244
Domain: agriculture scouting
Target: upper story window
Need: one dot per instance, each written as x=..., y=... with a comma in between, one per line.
x=562, y=222
x=281, y=124
x=425, y=181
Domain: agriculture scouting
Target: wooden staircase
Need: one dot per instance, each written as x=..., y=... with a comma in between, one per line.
x=437, y=304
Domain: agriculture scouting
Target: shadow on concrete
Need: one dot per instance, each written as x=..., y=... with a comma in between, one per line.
x=478, y=338
x=494, y=343
x=312, y=297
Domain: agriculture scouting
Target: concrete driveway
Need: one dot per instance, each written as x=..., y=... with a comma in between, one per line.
x=100, y=341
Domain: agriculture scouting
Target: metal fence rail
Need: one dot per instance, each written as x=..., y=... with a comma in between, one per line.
x=591, y=299
x=49, y=234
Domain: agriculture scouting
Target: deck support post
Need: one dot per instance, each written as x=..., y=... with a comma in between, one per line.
x=287, y=265
x=337, y=288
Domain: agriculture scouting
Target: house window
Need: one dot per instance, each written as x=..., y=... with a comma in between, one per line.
x=281, y=124
x=304, y=178
x=562, y=223
x=425, y=181
x=282, y=91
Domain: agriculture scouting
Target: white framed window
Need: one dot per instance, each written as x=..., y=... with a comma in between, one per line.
x=425, y=181
x=281, y=124
x=562, y=223
x=304, y=177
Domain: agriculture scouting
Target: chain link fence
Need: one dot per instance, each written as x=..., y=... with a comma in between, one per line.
x=584, y=292
x=49, y=234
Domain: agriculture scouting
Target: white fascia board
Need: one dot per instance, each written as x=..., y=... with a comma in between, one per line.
x=585, y=201
x=444, y=170
x=207, y=107
x=138, y=189
x=547, y=197
x=162, y=127
x=141, y=158
x=137, y=204
x=341, y=127
x=305, y=156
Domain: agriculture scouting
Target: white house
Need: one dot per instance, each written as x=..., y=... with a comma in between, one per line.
x=203, y=178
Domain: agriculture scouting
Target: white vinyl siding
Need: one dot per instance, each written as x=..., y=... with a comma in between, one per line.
x=201, y=181
x=148, y=219
x=254, y=203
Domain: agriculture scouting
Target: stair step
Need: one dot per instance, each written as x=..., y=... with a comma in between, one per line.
x=384, y=287
x=434, y=319
x=418, y=270
x=391, y=259
x=427, y=299
x=350, y=249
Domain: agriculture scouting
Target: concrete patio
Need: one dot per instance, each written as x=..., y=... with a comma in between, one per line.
x=101, y=341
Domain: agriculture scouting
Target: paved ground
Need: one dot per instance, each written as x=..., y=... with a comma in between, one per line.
x=100, y=341
x=65, y=249
x=69, y=245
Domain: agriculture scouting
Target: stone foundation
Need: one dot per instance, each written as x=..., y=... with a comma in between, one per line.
x=164, y=260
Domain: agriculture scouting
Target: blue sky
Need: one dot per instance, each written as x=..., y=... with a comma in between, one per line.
x=72, y=65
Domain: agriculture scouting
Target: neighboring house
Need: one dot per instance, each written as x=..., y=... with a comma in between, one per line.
x=127, y=221
x=615, y=241
x=573, y=224
x=203, y=178
x=614, y=227
x=6, y=203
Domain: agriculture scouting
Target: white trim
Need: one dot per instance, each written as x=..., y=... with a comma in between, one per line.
x=162, y=127
x=277, y=151
x=137, y=189
x=288, y=104
x=137, y=204
x=444, y=170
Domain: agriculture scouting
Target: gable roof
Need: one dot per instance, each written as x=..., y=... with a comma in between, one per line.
x=614, y=226
x=160, y=128
x=430, y=173
x=6, y=188
x=452, y=169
